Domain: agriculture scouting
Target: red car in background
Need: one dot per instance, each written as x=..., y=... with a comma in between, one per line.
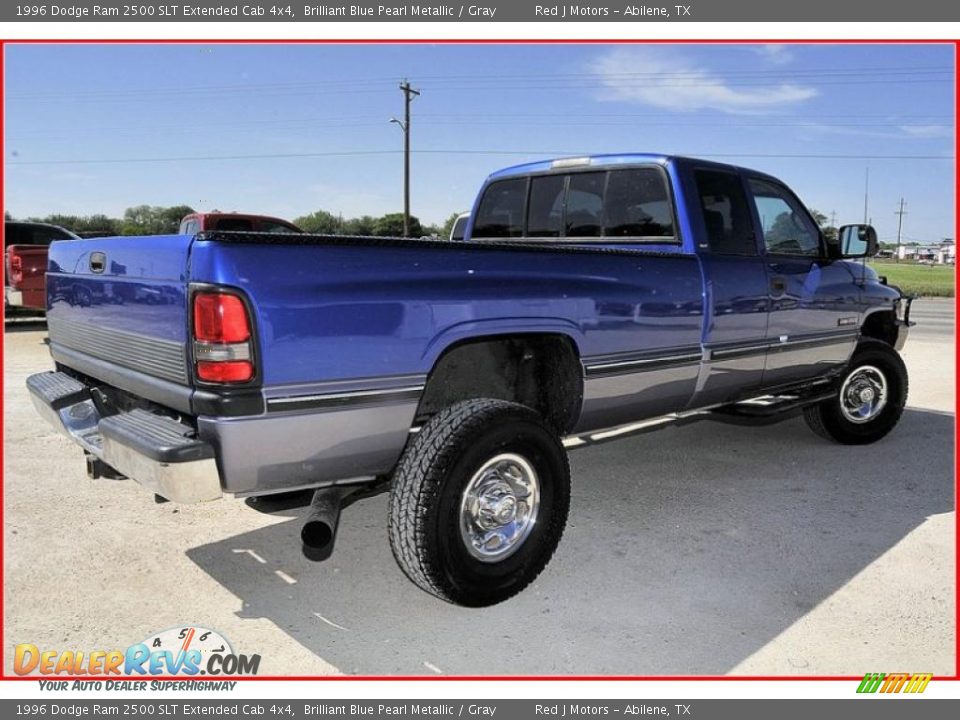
x=200, y=222
x=26, y=245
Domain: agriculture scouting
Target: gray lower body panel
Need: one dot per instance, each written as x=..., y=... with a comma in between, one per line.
x=622, y=391
x=277, y=452
x=807, y=358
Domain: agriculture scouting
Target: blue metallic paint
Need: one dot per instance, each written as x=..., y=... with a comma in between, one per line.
x=348, y=317
x=336, y=314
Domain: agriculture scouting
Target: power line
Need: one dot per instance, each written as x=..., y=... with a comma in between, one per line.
x=694, y=79
x=642, y=120
x=137, y=131
x=597, y=83
x=516, y=119
x=454, y=151
x=868, y=72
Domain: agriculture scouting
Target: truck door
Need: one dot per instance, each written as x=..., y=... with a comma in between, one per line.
x=735, y=285
x=813, y=323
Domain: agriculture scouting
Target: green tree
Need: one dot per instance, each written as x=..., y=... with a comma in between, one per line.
x=172, y=216
x=391, y=225
x=448, y=225
x=359, y=226
x=85, y=225
x=153, y=219
x=101, y=224
x=829, y=231
x=321, y=222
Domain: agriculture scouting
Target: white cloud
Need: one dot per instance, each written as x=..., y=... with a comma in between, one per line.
x=776, y=54
x=664, y=79
x=927, y=131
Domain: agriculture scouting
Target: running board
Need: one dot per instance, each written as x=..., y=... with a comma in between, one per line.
x=768, y=409
x=763, y=410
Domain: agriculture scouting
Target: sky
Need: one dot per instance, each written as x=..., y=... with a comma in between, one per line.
x=290, y=129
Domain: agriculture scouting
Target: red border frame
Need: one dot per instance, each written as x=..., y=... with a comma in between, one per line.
x=540, y=41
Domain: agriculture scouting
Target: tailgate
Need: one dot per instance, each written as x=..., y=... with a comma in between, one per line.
x=26, y=265
x=117, y=311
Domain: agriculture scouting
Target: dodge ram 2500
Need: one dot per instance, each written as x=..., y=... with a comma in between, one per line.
x=589, y=293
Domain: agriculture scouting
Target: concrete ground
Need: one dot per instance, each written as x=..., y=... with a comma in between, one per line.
x=706, y=549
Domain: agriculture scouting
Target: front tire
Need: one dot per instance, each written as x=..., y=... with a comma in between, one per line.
x=479, y=502
x=873, y=393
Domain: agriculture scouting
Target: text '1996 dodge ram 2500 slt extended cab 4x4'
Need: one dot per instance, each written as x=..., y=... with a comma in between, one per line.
x=589, y=293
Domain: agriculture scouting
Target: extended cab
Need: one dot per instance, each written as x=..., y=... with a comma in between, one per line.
x=25, y=252
x=625, y=291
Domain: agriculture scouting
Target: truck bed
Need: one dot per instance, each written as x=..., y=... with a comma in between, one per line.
x=348, y=329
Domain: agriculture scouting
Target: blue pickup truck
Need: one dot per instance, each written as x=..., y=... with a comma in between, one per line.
x=589, y=293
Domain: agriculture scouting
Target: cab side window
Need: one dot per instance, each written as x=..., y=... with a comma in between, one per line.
x=787, y=227
x=500, y=214
x=637, y=205
x=726, y=215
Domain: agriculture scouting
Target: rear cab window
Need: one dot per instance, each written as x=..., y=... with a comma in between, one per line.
x=272, y=226
x=545, y=210
x=584, y=206
x=234, y=224
x=617, y=205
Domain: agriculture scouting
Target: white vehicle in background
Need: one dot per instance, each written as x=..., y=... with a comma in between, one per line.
x=459, y=228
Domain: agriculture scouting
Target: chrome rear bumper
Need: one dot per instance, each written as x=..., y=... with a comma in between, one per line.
x=158, y=452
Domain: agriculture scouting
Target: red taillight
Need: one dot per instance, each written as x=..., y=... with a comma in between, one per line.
x=16, y=269
x=225, y=371
x=222, y=338
x=220, y=318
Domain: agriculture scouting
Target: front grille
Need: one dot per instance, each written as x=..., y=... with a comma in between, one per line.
x=160, y=358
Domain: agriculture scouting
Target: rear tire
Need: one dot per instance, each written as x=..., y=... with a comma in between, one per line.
x=873, y=393
x=479, y=502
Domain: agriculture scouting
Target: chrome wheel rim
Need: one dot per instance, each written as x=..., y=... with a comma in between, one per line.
x=499, y=507
x=864, y=394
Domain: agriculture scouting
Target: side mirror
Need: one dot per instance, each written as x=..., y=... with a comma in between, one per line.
x=858, y=241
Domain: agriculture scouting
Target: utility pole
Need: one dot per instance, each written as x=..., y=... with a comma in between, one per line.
x=408, y=94
x=901, y=212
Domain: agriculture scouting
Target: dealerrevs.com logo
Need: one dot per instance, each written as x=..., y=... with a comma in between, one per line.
x=189, y=651
x=895, y=682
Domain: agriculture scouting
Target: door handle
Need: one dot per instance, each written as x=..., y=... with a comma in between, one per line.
x=778, y=285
